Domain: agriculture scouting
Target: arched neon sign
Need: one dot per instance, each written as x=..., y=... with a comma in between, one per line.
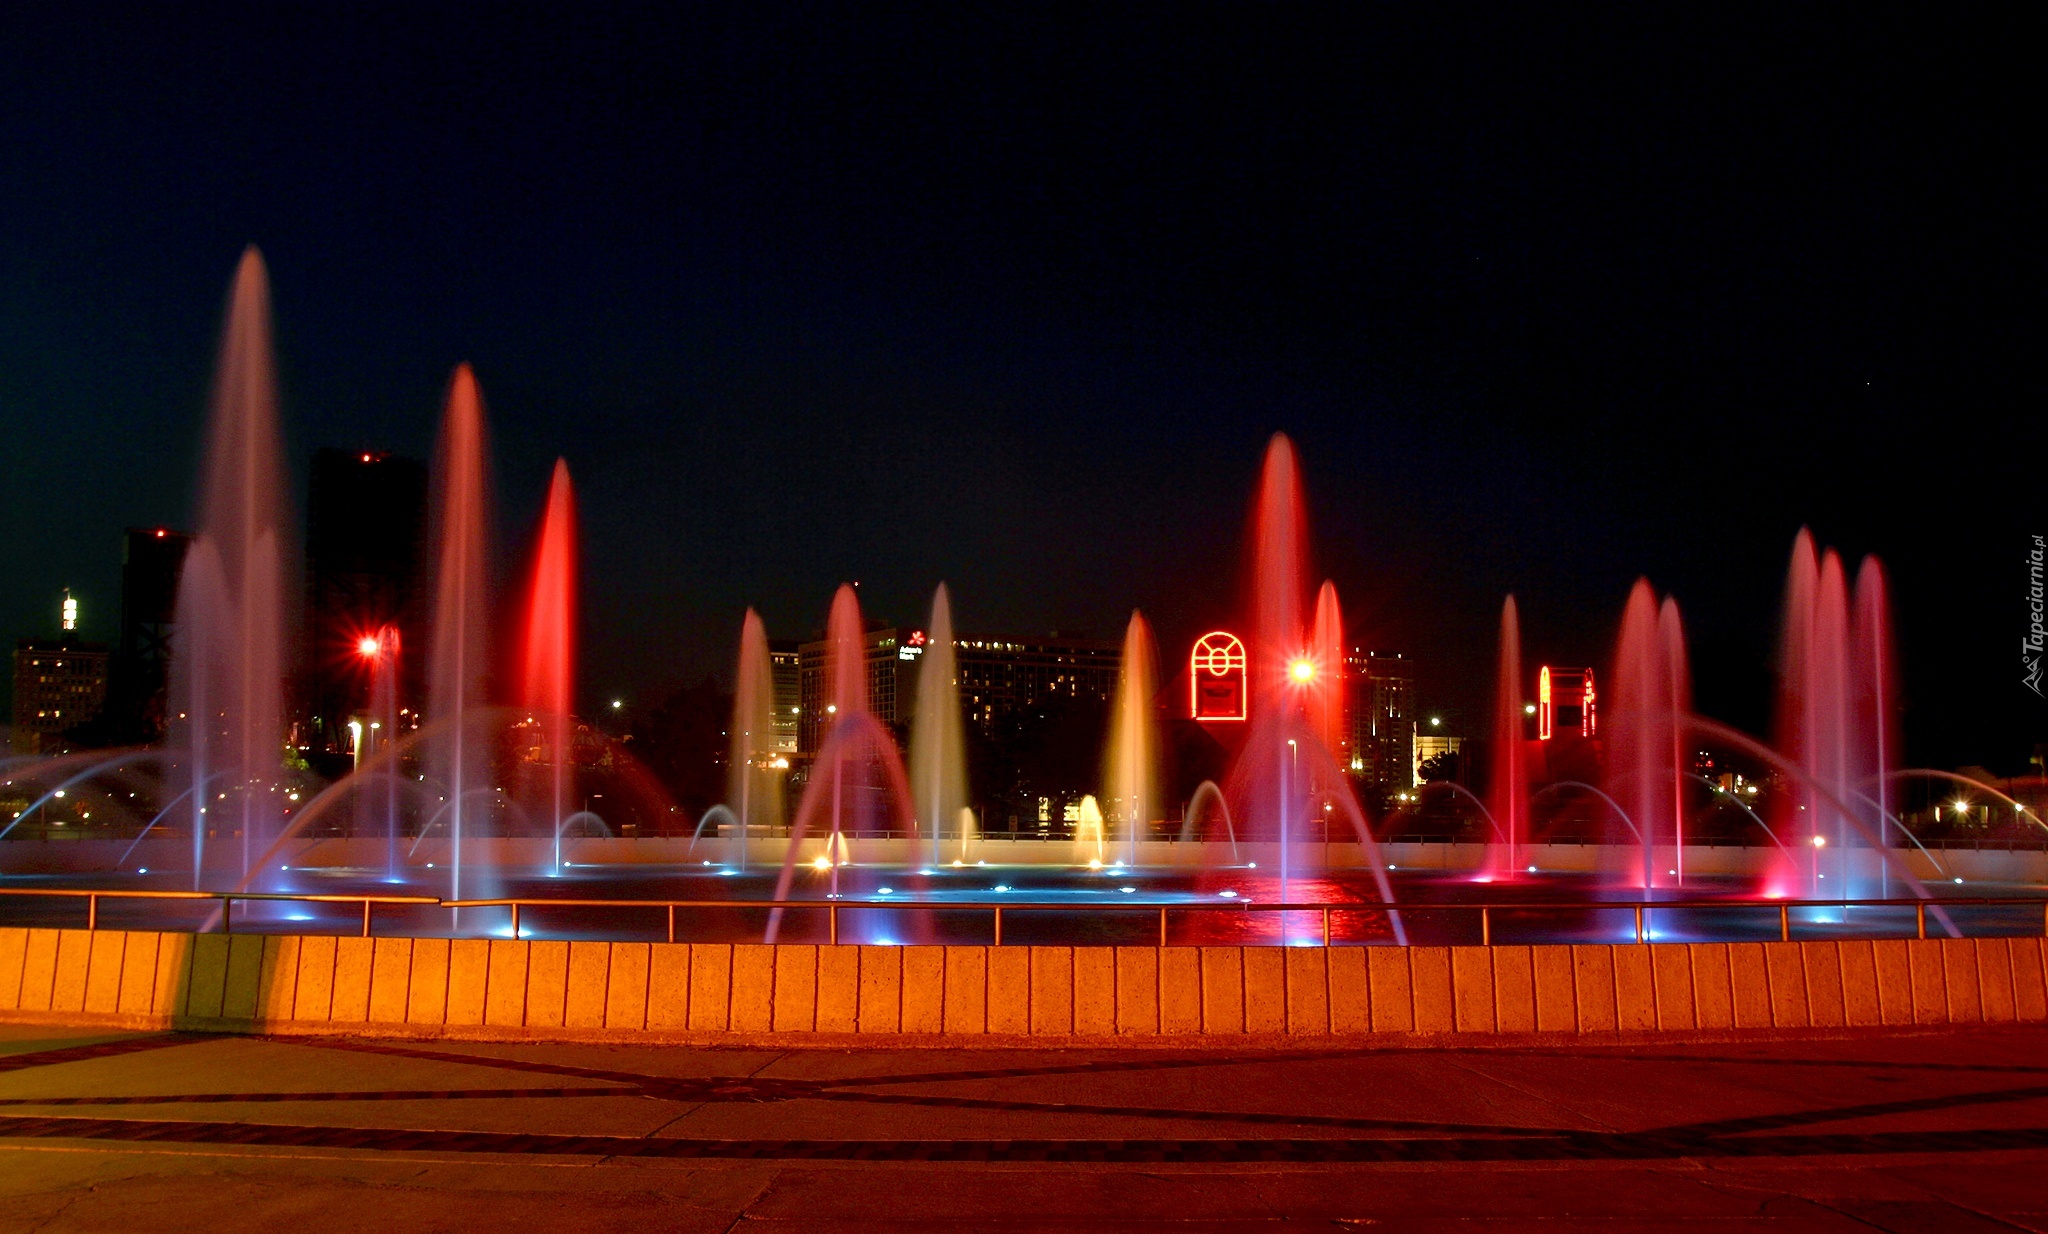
x=1216, y=683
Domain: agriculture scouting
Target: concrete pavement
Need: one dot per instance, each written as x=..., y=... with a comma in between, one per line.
x=1942, y=1130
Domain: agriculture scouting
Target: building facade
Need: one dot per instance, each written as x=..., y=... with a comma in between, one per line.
x=60, y=684
x=1381, y=750
x=152, y=563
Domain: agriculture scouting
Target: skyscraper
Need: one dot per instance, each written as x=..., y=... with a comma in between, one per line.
x=1382, y=718
x=152, y=561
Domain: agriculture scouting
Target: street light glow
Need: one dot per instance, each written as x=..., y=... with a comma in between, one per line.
x=1303, y=671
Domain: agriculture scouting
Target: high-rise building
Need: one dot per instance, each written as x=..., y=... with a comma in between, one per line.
x=152, y=562
x=1382, y=721
x=365, y=532
x=883, y=648
x=1002, y=679
x=60, y=684
x=785, y=671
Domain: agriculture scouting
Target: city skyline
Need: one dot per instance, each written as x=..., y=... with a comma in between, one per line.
x=1007, y=346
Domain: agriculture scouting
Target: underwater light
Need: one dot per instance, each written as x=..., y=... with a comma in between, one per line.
x=1532, y=869
x=1959, y=880
x=886, y=890
x=143, y=870
x=707, y=863
x=727, y=873
x=957, y=863
x=1127, y=890
x=1251, y=865
x=1228, y=895
x=981, y=863
x=821, y=863
x=1000, y=887
x=1095, y=863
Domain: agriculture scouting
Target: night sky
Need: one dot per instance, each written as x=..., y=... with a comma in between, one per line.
x=1014, y=299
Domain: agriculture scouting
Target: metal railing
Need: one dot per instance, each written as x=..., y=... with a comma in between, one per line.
x=1643, y=911
x=226, y=899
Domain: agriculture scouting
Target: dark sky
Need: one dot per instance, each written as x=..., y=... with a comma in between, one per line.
x=1014, y=299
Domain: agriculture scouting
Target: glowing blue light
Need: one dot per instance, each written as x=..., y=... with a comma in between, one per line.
x=143, y=870
x=927, y=871
x=885, y=890
x=727, y=873
x=1127, y=890
x=999, y=887
x=1228, y=895
x=707, y=863
x=1958, y=880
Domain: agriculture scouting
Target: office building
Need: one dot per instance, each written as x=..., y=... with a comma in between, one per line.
x=785, y=672
x=152, y=562
x=1381, y=749
x=60, y=684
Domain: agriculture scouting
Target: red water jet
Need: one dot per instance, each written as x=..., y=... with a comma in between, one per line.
x=547, y=684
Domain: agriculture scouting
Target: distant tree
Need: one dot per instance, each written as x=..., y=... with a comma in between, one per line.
x=1441, y=768
x=683, y=743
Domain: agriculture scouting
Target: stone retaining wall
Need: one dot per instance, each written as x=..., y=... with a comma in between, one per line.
x=1182, y=995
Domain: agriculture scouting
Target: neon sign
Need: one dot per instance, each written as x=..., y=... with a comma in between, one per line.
x=1216, y=678
x=1564, y=699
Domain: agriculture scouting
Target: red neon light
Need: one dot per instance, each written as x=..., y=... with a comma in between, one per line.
x=1572, y=688
x=1216, y=677
x=916, y=638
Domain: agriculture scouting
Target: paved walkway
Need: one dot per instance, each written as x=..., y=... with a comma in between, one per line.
x=165, y=1133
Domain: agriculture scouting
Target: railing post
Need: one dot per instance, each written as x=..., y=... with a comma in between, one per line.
x=1784, y=923
x=515, y=919
x=92, y=912
x=1639, y=923
x=1162, y=929
x=671, y=923
x=366, y=916
x=1326, y=925
x=999, y=925
x=227, y=908
x=1485, y=926
x=1920, y=913
x=832, y=922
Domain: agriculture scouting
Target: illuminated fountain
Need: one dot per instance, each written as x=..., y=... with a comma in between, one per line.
x=1835, y=720
x=457, y=756
x=1509, y=794
x=938, y=746
x=1285, y=773
x=1131, y=763
x=857, y=783
x=547, y=684
x=228, y=670
x=755, y=772
x=1651, y=693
